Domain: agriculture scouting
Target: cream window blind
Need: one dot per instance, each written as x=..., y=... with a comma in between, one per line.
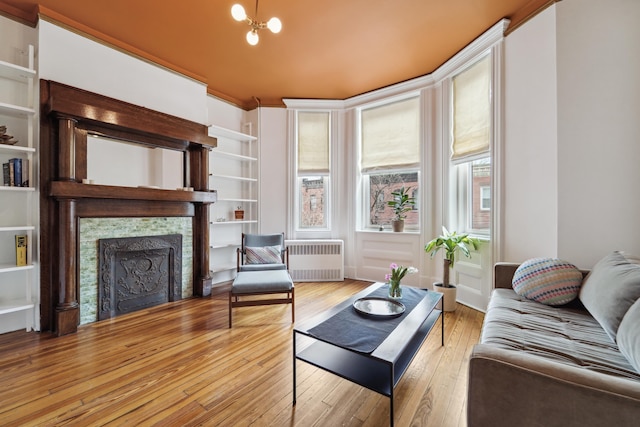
x=313, y=142
x=391, y=136
x=471, y=111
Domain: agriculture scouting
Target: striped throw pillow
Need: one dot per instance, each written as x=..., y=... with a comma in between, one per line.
x=263, y=255
x=549, y=281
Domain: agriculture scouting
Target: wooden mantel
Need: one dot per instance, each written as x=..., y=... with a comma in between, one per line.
x=68, y=115
x=75, y=190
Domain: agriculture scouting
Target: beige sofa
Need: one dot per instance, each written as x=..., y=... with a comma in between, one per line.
x=541, y=365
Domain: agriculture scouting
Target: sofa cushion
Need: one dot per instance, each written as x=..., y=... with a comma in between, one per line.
x=629, y=335
x=565, y=335
x=610, y=289
x=550, y=281
x=263, y=255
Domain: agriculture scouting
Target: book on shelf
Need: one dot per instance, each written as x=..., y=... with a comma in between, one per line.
x=6, y=175
x=25, y=172
x=21, y=249
x=17, y=171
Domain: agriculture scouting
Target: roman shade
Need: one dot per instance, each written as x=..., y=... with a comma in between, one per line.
x=391, y=136
x=313, y=142
x=471, y=111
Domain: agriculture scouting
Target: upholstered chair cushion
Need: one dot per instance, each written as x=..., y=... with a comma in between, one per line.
x=263, y=255
x=549, y=281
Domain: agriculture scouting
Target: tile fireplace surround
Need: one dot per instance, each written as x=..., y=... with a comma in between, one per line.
x=94, y=229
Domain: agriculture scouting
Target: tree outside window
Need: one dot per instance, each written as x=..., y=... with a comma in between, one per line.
x=380, y=188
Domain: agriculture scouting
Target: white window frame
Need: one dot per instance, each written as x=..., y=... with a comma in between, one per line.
x=333, y=108
x=365, y=219
x=484, y=197
x=364, y=222
x=460, y=189
x=300, y=176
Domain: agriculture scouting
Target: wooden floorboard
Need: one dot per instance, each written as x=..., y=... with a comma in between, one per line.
x=179, y=364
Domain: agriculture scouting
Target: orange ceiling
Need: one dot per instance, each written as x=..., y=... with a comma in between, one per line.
x=327, y=49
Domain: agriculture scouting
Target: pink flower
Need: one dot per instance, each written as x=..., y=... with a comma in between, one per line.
x=398, y=272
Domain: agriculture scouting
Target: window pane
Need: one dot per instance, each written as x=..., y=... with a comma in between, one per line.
x=485, y=198
x=312, y=198
x=380, y=188
x=481, y=193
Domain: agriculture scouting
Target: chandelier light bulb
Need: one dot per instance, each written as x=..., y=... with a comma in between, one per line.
x=274, y=25
x=252, y=37
x=238, y=13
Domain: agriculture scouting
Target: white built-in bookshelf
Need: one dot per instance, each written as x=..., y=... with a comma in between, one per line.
x=233, y=167
x=19, y=284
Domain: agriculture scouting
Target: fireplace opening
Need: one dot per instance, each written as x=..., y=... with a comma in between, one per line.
x=137, y=273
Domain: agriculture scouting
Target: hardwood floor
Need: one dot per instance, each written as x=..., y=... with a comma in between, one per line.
x=180, y=365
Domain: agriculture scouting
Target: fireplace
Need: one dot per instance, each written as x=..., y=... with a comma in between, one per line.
x=68, y=116
x=138, y=272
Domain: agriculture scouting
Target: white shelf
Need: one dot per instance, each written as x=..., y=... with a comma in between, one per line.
x=9, y=188
x=238, y=200
x=16, y=110
x=234, y=178
x=16, y=72
x=238, y=221
x=224, y=267
x=16, y=149
x=221, y=245
x=18, y=228
x=217, y=131
x=11, y=306
x=233, y=155
x=6, y=268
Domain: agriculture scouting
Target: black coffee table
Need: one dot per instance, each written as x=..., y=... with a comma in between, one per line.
x=381, y=369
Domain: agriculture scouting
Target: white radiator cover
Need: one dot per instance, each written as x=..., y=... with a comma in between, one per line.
x=316, y=260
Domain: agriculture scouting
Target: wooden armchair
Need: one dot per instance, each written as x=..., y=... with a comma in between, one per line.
x=262, y=264
x=259, y=252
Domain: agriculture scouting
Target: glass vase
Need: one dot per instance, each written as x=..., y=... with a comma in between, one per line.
x=395, y=290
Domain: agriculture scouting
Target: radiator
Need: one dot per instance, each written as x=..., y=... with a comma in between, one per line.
x=316, y=260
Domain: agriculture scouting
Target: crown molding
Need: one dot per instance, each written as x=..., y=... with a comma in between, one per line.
x=313, y=104
x=482, y=43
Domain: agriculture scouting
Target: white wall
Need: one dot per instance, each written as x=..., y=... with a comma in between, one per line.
x=572, y=108
x=530, y=149
x=274, y=174
x=69, y=58
x=598, y=46
x=223, y=114
x=118, y=75
x=138, y=165
x=14, y=40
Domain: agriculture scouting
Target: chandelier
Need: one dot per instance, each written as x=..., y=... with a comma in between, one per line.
x=273, y=24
